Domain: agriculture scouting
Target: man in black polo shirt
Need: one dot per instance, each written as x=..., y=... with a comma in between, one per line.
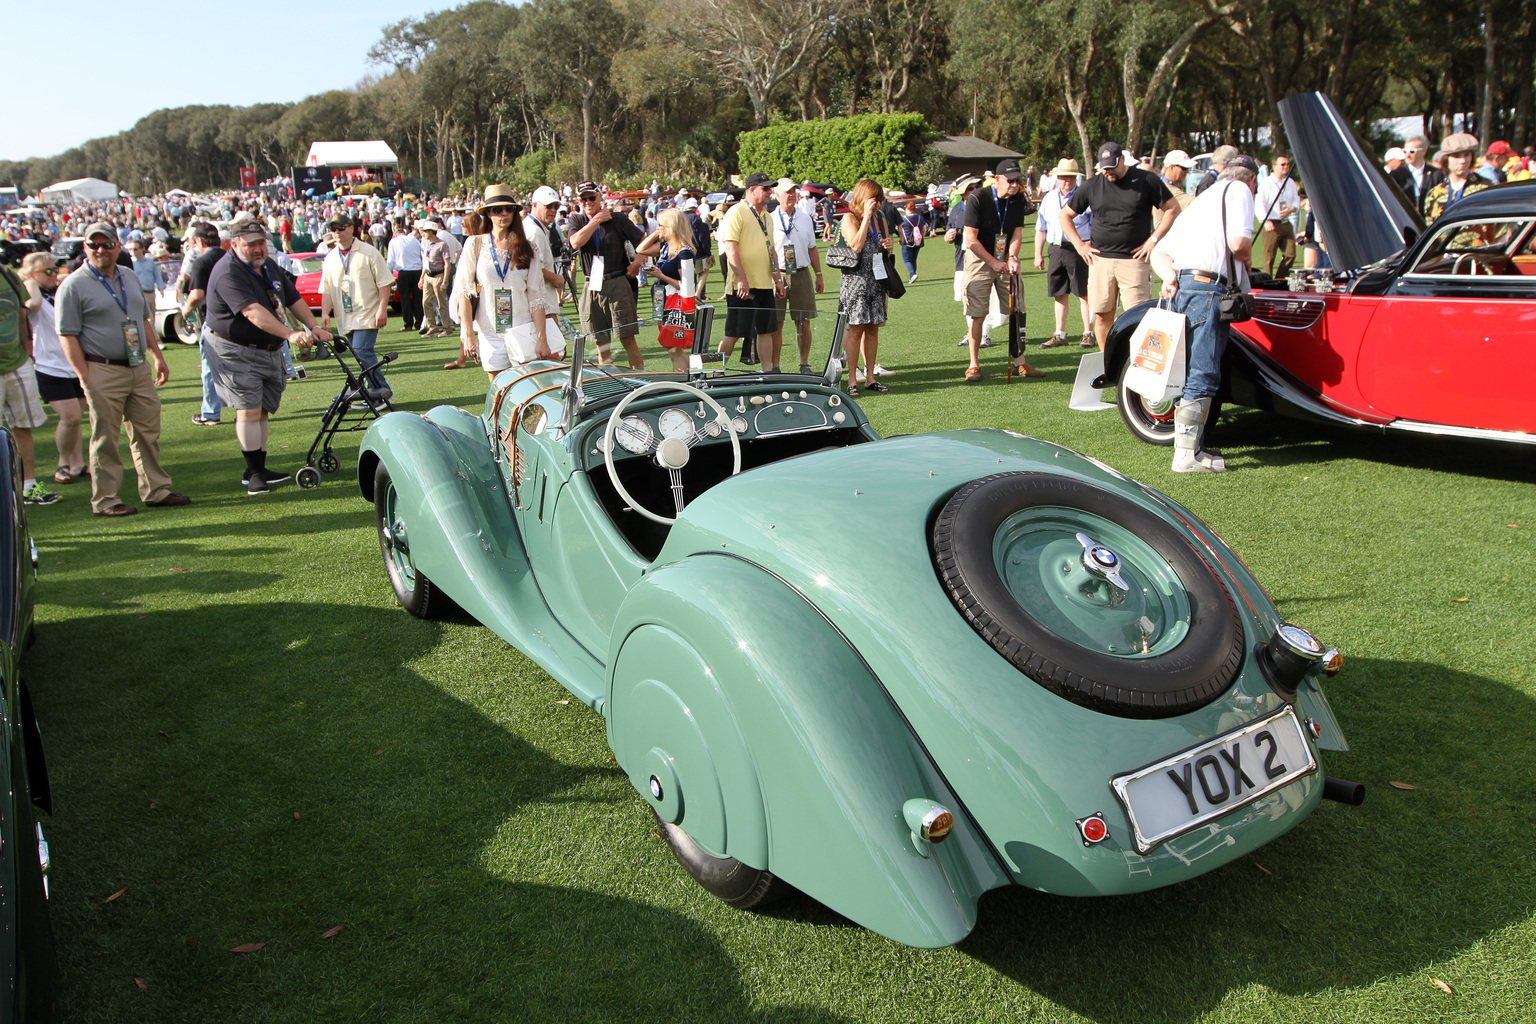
x=204, y=244
x=249, y=300
x=607, y=302
x=1122, y=199
x=994, y=230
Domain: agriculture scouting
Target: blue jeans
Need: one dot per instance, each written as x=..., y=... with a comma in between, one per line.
x=1206, y=335
x=909, y=257
x=212, y=407
x=362, y=342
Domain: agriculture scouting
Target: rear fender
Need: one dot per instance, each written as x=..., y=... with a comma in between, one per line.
x=461, y=530
x=773, y=743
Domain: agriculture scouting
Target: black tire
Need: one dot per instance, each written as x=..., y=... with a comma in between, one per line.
x=1148, y=423
x=725, y=878
x=329, y=463
x=308, y=478
x=413, y=590
x=1192, y=673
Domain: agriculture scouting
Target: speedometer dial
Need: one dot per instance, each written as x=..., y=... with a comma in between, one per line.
x=676, y=425
x=634, y=434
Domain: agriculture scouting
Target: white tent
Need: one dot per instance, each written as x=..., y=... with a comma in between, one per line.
x=79, y=190
x=338, y=155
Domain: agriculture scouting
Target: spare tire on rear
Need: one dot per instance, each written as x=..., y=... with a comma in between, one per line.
x=1013, y=552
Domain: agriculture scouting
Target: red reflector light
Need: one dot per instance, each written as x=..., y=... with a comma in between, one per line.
x=1093, y=829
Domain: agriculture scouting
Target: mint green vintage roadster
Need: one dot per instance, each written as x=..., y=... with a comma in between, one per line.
x=1052, y=676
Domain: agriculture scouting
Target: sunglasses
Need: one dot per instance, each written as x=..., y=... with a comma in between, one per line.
x=1412, y=149
x=101, y=245
x=506, y=211
x=590, y=197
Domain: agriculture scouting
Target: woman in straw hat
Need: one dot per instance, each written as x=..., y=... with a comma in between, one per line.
x=500, y=290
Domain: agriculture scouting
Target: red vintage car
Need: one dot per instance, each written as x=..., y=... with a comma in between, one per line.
x=1416, y=328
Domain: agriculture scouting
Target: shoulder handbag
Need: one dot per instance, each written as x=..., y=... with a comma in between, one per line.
x=841, y=254
x=895, y=287
x=469, y=267
x=1235, y=303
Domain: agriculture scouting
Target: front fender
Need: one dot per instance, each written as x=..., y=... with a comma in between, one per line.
x=778, y=746
x=451, y=496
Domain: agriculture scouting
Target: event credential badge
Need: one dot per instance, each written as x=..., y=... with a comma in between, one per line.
x=503, y=300
x=346, y=296
x=135, y=343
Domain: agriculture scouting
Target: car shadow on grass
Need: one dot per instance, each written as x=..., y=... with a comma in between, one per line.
x=264, y=773
x=1352, y=895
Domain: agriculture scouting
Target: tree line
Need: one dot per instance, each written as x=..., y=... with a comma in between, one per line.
x=628, y=90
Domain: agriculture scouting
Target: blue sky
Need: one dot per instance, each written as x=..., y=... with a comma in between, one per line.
x=135, y=58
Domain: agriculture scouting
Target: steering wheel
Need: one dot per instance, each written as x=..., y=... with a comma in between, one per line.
x=670, y=453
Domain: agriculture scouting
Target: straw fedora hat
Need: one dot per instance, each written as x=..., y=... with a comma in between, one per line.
x=1067, y=166
x=498, y=195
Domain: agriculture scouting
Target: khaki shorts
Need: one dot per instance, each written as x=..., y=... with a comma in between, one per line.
x=1129, y=280
x=801, y=300
x=979, y=285
x=20, y=405
x=609, y=311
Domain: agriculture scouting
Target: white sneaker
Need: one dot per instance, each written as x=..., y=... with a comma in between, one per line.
x=881, y=371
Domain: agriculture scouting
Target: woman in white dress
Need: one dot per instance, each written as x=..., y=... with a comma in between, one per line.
x=504, y=272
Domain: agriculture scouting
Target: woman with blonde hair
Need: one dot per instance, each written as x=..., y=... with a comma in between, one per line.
x=502, y=270
x=57, y=383
x=672, y=246
x=862, y=296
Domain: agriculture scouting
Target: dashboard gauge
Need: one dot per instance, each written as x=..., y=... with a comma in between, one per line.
x=739, y=424
x=634, y=434
x=675, y=425
x=713, y=428
x=601, y=444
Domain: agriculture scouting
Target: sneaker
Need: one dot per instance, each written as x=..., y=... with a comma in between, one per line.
x=986, y=343
x=256, y=484
x=912, y=279
x=35, y=495
x=204, y=421
x=1055, y=340
x=881, y=371
x=805, y=368
x=271, y=476
x=965, y=339
x=1090, y=340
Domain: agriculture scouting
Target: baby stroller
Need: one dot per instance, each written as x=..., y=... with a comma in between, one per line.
x=354, y=407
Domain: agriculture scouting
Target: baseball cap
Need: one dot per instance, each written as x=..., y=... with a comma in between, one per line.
x=1461, y=142
x=1243, y=160
x=102, y=228
x=1109, y=155
x=249, y=228
x=206, y=231
x=756, y=179
x=341, y=220
x=1499, y=148
x=786, y=185
x=1396, y=153
x=690, y=203
x=544, y=196
x=1178, y=158
x=1009, y=169
x=585, y=187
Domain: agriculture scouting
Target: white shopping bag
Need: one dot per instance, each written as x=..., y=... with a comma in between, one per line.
x=521, y=343
x=1157, y=356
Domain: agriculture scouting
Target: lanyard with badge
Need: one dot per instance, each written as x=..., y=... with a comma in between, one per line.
x=792, y=261
x=346, y=280
x=132, y=336
x=1000, y=243
x=503, y=296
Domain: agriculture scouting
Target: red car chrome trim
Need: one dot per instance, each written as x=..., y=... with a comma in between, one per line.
x=1478, y=433
x=1290, y=312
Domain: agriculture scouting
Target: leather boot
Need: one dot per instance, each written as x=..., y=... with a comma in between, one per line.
x=1188, y=425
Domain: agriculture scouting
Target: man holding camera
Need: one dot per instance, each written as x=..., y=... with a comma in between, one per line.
x=1197, y=262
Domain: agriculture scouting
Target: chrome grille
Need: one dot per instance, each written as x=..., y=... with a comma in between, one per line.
x=1295, y=314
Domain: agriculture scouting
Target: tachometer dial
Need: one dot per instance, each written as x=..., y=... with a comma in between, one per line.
x=676, y=425
x=634, y=434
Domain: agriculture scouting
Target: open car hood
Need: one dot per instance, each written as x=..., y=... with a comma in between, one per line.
x=1364, y=216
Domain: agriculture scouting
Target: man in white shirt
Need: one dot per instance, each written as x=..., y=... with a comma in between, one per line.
x=1069, y=273
x=1280, y=205
x=542, y=208
x=794, y=246
x=405, y=261
x=1196, y=261
x=354, y=288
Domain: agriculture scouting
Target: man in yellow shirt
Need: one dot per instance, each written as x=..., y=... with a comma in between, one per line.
x=753, y=281
x=355, y=283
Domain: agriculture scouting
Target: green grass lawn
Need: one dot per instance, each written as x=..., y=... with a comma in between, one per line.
x=248, y=735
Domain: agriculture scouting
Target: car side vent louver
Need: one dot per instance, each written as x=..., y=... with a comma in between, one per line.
x=595, y=389
x=1295, y=314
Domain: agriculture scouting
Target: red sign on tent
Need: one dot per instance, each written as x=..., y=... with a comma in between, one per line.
x=247, y=177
